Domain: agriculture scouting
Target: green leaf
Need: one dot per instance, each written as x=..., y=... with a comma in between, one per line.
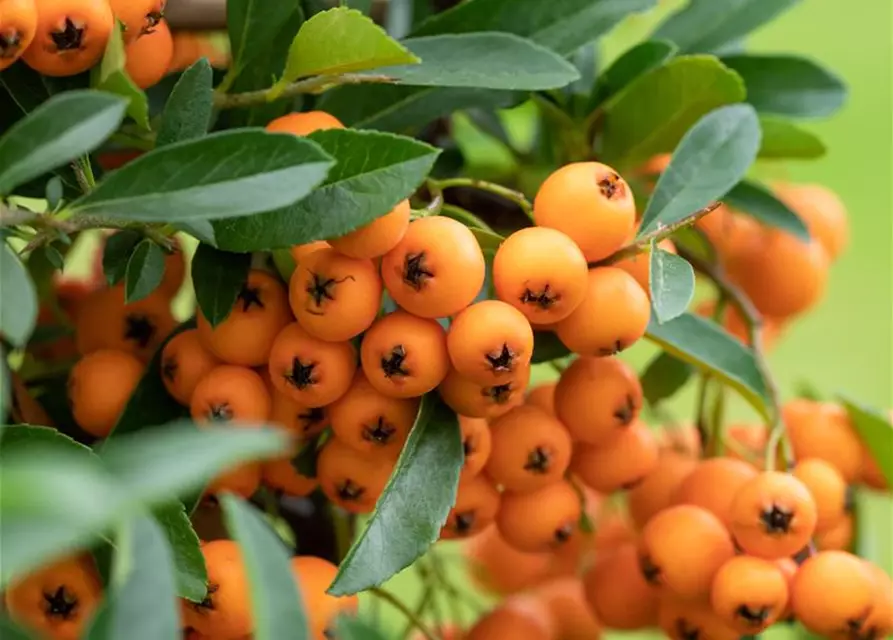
x=875, y=431
x=547, y=347
x=374, y=171
x=352, y=628
x=636, y=61
x=55, y=191
x=276, y=603
x=663, y=377
x=54, y=257
x=712, y=157
x=5, y=390
x=788, y=85
x=218, y=277
x=145, y=270
x=654, y=112
x=18, y=313
x=561, y=25
x=223, y=175
x=758, y=202
x=116, y=254
x=63, y=128
x=110, y=75
x=9, y=630
x=708, y=347
x=189, y=562
x=187, y=112
x=672, y=282
x=414, y=506
x=704, y=26
x=341, y=40
x=253, y=26
x=786, y=140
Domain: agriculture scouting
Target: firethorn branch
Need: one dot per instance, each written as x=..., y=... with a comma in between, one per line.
x=410, y=615
x=483, y=185
x=316, y=84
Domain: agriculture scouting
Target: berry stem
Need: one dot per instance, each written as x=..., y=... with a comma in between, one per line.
x=316, y=84
x=408, y=613
x=511, y=195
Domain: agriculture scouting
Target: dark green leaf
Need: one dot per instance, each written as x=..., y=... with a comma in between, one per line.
x=374, y=172
x=640, y=59
x=276, y=603
x=145, y=269
x=5, y=390
x=708, y=347
x=54, y=257
x=26, y=436
x=875, y=431
x=187, y=112
x=111, y=76
x=758, y=202
x=654, y=112
x=9, y=630
x=547, y=347
x=703, y=26
x=672, y=282
x=253, y=26
x=364, y=6
x=60, y=130
x=561, y=25
x=223, y=175
x=712, y=157
x=18, y=313
x=55, y=191
x=786, y=140
x=788, y=85
x=189, y=562
x=218, y=276
x=663, y=377
x=116, y=254
x=414, y=506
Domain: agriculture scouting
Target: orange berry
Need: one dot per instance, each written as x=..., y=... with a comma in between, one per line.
x=477, y=443
x=477, y=501
x=773, y=515
x=749, y=594
x=301, y=421
x=590, y=203
x=436, y=270
x=99, y=386
x=729, y=231
x=242, y=480
x=613, y=315
x=530, y=450
x=18, y=26
x=378, y=237
x=879, y=623
x=837, y=538
x=713, y=484
x=597, y=399
x=683, y=439
x=300, y=251
x=747, y=442
x=281, y=475
x=617, y=592
x=226, y=611
x=620, y=464
x=405, y=356
x=302, y=124
x=521, y=617
x=334, y=297
x=311, y=372
x=566, y=601
x=612, y=530
x=149, y=57
x=184, y=362
x=140, y=17
x=71, y=36
x=657, y=491
x=638, y=266
x=350, y=479
x=788, y=568
x=314, y=575
x=190, y=47
x=828, y=489
x=683, y=620
x=822, y=211
x=681, y=550
x=543, y=396
x=231, y=394
x=541, y=272
x=469, y=398
x=823, y=430
x=540, y=520
x=499, y=567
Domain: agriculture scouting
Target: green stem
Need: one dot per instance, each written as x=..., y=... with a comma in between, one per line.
x=706, y=429
x=343, y=537
x=425, y=600
x=315, y=84
x=483, y=185
x=408, y=613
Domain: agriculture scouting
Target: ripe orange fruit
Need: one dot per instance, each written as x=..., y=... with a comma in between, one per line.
x=541, y=272
x=566, y=601
x=541, y=520
x=749, y=594
x=404, y=356
x=301, y=421
x=521, y=617
x=617, y=591
x=597, y=399
x=226, y=611
x=747, y=442
x=300, y=251
x=682, y=438
x=589, y=202
x=281, y=475
x=823, y=430
x=302, y=124
x=242, y=480
x=879, y=623
x=489, y=342
x=311, y=372
x=543, y=396
x=468, y=398
x=530, y=449
x=713, y=484
x=99, y=386
x=436, y=270
x=822, y=211
x=231, y=394
x=683, y=620
x=837, y=538
x=729, y=232
x=378, y=237
x=58, y=600
x=140, y=17
x=500, y=568
x=773, y=515
x=682, y=549
x=246, y=336
x=185, y=361
x=334, y=297
x=828, y=489
x=477, y=443
x=18, y=26
x=621, y=464
x=350, y=479
x=149, y=57
x=613, y=315
x=638, y=265
x=190, y=46
x=371, y=422
x=477, y=501
x=314, y=575
x=71, y=36
x=657, y=491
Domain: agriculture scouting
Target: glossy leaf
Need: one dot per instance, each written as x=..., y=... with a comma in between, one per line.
x=253, y=27
x=709, y=348
x=374, y=171
x=189, y=562
x=634, y=62
x=704, y=26
x=758, y=202
x=61, y=129
x=785, y=140
x=18, y=313
x=876, y=432
x=218, y=277
x=561, y=25
x=110, y=75
x=664, y=376
x=414, y=506
x=276, y=604
x=655, y=111
x=712, y=157
x=223, y=175
x=672, y=282
x=116, y=254
x=187, y=112
x=788, y=85
x=145, y=269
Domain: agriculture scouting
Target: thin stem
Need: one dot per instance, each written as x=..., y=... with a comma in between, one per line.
x=50, y=226
x=342, y=532
x=425, y=600
x=408, y=613
x=708, y=439
x=315, y=84
x=511, y=195
x=452, y=596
